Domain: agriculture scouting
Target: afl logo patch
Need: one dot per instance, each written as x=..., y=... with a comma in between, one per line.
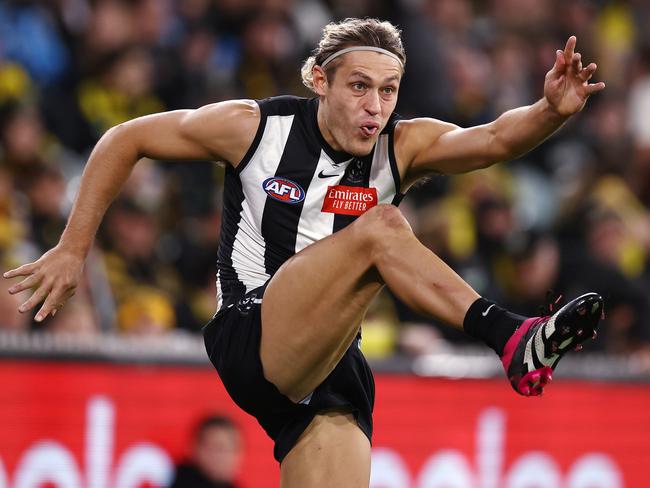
x=283, y=190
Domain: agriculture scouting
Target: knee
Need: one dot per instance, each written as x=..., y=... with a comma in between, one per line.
x=382, y=224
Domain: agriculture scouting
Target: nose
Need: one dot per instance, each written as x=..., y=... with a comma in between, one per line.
x=372, y=103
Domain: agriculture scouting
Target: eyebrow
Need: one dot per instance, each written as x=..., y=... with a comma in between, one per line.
x=367, y=78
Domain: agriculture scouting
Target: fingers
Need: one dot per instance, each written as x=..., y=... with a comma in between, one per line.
x=53, y=279
x=572, y=58
x=594, y=88
x=569, y=49
x=37, y=297
x=576, y=62
x=588, y=72
x=560, y=63
x=29, y=282
x=585, y=75
x=52, y=304
x=54, y=298
x=23, y=270
x=559, y=67
x=567, y=58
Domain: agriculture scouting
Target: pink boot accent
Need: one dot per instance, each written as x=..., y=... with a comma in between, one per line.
x=511, y=345
x=533, y=382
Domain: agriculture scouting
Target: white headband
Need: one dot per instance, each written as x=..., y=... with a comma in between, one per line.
x=361, y=48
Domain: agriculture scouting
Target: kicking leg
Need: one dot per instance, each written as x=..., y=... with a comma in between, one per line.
x=314, y=304
x=534, y=350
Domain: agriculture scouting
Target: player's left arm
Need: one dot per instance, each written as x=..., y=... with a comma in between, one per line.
x=426, y=146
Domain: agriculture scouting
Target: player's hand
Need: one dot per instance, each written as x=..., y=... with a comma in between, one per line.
x=53, y=278
x=567, y=86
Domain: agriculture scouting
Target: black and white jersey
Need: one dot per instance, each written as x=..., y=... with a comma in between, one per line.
x=291, y=190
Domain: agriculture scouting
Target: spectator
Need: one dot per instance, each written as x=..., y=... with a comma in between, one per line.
x=146, y=312
x=215, y=456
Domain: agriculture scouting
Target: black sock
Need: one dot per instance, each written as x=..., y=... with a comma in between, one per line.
x=492, y=324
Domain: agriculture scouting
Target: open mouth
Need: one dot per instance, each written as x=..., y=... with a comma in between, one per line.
x=369, y=130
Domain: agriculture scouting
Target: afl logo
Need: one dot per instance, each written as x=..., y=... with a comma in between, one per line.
x=283, y=190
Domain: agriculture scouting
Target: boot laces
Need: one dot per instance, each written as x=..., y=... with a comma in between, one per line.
x=552, y=303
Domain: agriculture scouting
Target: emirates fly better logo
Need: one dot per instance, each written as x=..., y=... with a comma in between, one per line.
x=349, y=200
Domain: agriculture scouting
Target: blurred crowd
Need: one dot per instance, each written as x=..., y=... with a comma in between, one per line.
x=571, y=216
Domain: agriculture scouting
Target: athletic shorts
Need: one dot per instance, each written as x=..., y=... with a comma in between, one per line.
x=232, y=339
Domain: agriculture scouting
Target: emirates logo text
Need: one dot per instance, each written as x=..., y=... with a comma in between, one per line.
x=349, y=200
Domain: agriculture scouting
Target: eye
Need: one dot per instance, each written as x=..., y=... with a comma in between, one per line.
x=388, y=90
x=358, y=86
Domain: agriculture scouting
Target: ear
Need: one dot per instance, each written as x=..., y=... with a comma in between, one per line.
x=319, y=80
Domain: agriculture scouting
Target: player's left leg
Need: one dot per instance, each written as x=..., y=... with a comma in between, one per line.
x=331, y=453
x=531, y=354
x=315, y=302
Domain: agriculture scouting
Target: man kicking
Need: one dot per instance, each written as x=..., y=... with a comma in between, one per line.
x=311, y=232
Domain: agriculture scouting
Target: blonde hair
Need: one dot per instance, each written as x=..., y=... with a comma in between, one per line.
x=348, y=33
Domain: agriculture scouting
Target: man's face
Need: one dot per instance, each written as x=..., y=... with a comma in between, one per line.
x=357, y=102
x=218, y=453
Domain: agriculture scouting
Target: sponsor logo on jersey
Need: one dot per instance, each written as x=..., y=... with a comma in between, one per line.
x=283, y=190
x=323, y=175
x=349, y=200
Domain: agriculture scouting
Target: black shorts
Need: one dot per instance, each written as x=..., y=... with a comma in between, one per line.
x=232, y=339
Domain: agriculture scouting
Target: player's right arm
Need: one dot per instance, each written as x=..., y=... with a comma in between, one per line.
x=222, y=131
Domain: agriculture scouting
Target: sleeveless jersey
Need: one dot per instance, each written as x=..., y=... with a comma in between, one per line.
x=291, y=190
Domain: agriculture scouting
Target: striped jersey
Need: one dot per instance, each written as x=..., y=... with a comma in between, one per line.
x=291, y=190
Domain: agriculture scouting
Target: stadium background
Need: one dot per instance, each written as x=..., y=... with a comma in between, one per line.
x=105, y=394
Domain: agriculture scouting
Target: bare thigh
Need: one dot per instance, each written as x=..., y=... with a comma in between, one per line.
x=332, y=453
x=312, y=309
x=315, y=302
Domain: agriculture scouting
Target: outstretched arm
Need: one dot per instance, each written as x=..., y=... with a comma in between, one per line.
x=425, y=146
x=221, y=131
